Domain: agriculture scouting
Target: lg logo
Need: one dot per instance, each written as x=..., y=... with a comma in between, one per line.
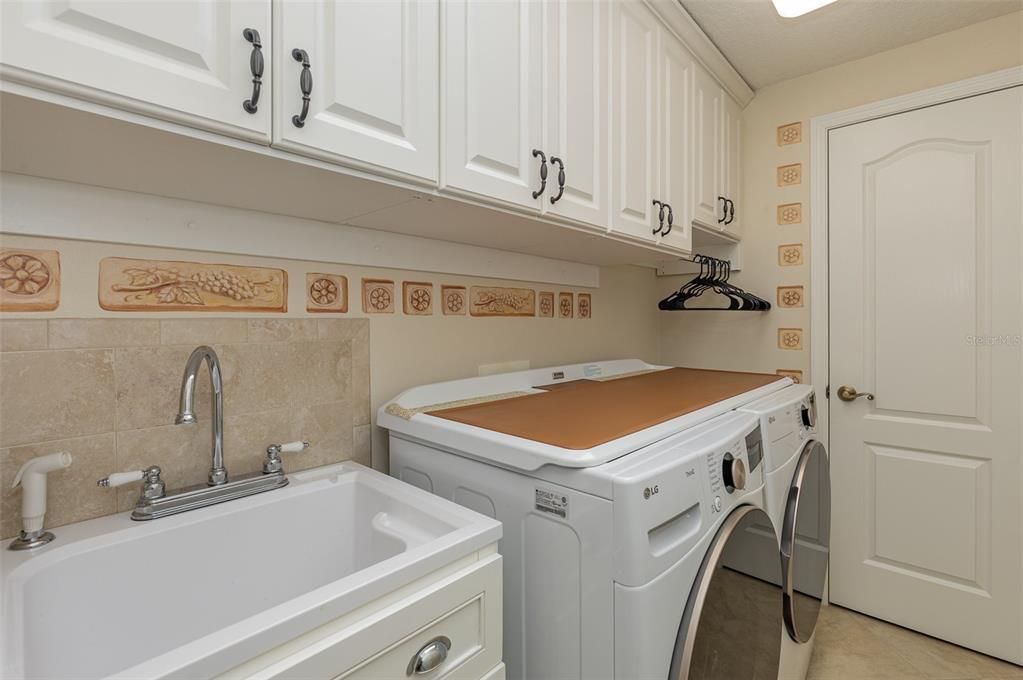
x=651, y=491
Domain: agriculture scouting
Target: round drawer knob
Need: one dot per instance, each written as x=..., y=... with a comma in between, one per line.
x=430, y=655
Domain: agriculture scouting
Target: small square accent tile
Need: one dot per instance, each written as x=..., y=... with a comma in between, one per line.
x=326, y=292
x=790, y=213
x=29, y=280
x=790, y=254
x=797, y=376
x=790, y=133
x=790, y=338
x=585, y=306
x=566, y=305
x=546, y=304
x=789, y=175
x=454, y=300
x=377, y=296
x=417, y=298
x=790, y=296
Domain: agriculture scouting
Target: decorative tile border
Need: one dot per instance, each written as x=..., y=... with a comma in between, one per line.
x=796, y=375
x=494, y=301
x=378, y=296
x=585, y=306
x=790, y=338
x=546, y=305
x=790, y=175
x=29, y=280
x=127, y=285
x=790, y=254
x=790, y=213
x=326, y=293
x=566, y=305
x=454, y=300
x=790, y=133
x=790, y=296
x=417, y=298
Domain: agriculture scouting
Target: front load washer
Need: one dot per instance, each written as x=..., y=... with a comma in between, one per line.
x=797, y=497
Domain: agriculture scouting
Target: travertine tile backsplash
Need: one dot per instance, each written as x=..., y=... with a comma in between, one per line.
x=106, y=391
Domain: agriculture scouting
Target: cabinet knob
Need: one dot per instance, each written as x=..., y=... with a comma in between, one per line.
x=429, y=656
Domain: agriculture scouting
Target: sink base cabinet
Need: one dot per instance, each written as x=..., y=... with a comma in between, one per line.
x=463, y=607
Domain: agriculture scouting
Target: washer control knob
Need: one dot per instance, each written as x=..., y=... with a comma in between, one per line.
x=717, y=503
x=733, y=471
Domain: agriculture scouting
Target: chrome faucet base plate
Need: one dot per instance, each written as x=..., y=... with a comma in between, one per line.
x=29, y=541
x=203, y=496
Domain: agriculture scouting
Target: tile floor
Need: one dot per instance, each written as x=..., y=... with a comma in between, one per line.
x=851, y=646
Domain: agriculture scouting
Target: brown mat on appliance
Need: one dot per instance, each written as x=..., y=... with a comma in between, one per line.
x=588, y=413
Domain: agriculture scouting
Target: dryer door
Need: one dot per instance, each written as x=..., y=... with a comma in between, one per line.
x=806, y=541
x=732, y=626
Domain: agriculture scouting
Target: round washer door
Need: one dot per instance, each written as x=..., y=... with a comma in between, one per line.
x=732, y=626
x=806, y=541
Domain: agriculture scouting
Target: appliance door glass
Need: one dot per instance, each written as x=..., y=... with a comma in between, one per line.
x=732, y=626
x=806, y=541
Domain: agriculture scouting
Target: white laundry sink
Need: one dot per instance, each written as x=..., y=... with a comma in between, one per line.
x=196, y=594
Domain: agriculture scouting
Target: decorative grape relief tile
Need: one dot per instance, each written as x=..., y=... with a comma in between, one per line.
x=585, y=306
x=790, y=296
x=492, y=301
x=127, y=285
x=796, y=375
x=789, y=175
x=566, y=305
x=790, y=254
x=790, y=338
x=417, y=298
x=378, y=296
x=29, y=280
x=790, y=133
x=546, y=305
x=454, y=299
x=790, y=213
x=326, y=293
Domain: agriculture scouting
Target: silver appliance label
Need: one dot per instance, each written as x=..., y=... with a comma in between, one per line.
x=552, y=502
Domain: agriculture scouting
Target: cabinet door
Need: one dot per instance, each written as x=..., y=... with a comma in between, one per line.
x=577, y=108
x=185, y=61
x=374, y=100
x=676, y=159
x=731, y=160
x=635, y=101
x=707, y=141
x=493, y=98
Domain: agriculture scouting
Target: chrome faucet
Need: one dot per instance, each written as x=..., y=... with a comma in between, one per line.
x=186, y=413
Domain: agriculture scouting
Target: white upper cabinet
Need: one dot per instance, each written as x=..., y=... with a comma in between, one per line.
x=675, y=146
x=187, y=61
x=635, y=32
x=373, y=83
x=708, y=202
x=576, y=109
x=493, y=99
x=731, y=149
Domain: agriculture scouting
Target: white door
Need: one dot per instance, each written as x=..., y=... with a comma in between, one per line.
x=493, y=98
x=576, y=108
x=374, y=97
x=731, y=160
x=675, y=147
x=635, y=101
x=925, y=313
x=186, y=61
x=707, y=135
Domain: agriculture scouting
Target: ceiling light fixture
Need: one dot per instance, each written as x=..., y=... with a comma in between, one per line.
x=797, y=8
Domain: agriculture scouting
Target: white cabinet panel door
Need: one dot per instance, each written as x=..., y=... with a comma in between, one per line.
x=675, y=147
x=492, y=98
x=181, y=60
x=731, y=160
x=576, y=48
x=374, y=100
x=707, y=120
x=635, y=100
x=925, y=218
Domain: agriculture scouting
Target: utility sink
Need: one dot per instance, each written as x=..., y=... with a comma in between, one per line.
x=197, y=594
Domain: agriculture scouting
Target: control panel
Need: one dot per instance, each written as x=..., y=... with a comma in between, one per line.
x=734, y=468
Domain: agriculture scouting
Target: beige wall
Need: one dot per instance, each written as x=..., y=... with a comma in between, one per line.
x=748, y=341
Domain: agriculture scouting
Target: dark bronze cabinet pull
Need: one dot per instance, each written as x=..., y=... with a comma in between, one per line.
x=730, y=207
x=671, y=220
x=724, y=208
x=660, y=215
x=561, y=179
x=305, y=82
x=256, y=66
x=543, y=172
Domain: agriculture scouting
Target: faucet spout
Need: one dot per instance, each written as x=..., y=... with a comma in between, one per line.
x=186, y=411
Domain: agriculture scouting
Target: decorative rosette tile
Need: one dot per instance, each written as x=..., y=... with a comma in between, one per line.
x=585, y=306
x=546, y=305
x=789, y=175
x=417, y=298
x=29, y=280
x=790, y=254
x=790, y=133
x=790, y=213
x=790, y=338
x=566, y=305
x=326, y=293
x=377, y=296
x=454, y=300
x=790, y=296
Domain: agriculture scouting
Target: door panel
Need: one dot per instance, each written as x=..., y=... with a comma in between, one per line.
x=185, y=61
x=675, y=146
x=925, y=313
x=731, y=160
x=375, y=83
x=493, y=89
x=707, y=121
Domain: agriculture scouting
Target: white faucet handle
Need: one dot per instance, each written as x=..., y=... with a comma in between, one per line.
x=293, y=447
x=122, y=478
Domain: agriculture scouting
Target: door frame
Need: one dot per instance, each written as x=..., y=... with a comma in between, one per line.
x=820, y=126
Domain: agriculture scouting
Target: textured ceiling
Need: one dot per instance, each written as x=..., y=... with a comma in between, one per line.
x=765, y=48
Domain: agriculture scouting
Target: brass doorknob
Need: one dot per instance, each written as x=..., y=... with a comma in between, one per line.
x=846, y=393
